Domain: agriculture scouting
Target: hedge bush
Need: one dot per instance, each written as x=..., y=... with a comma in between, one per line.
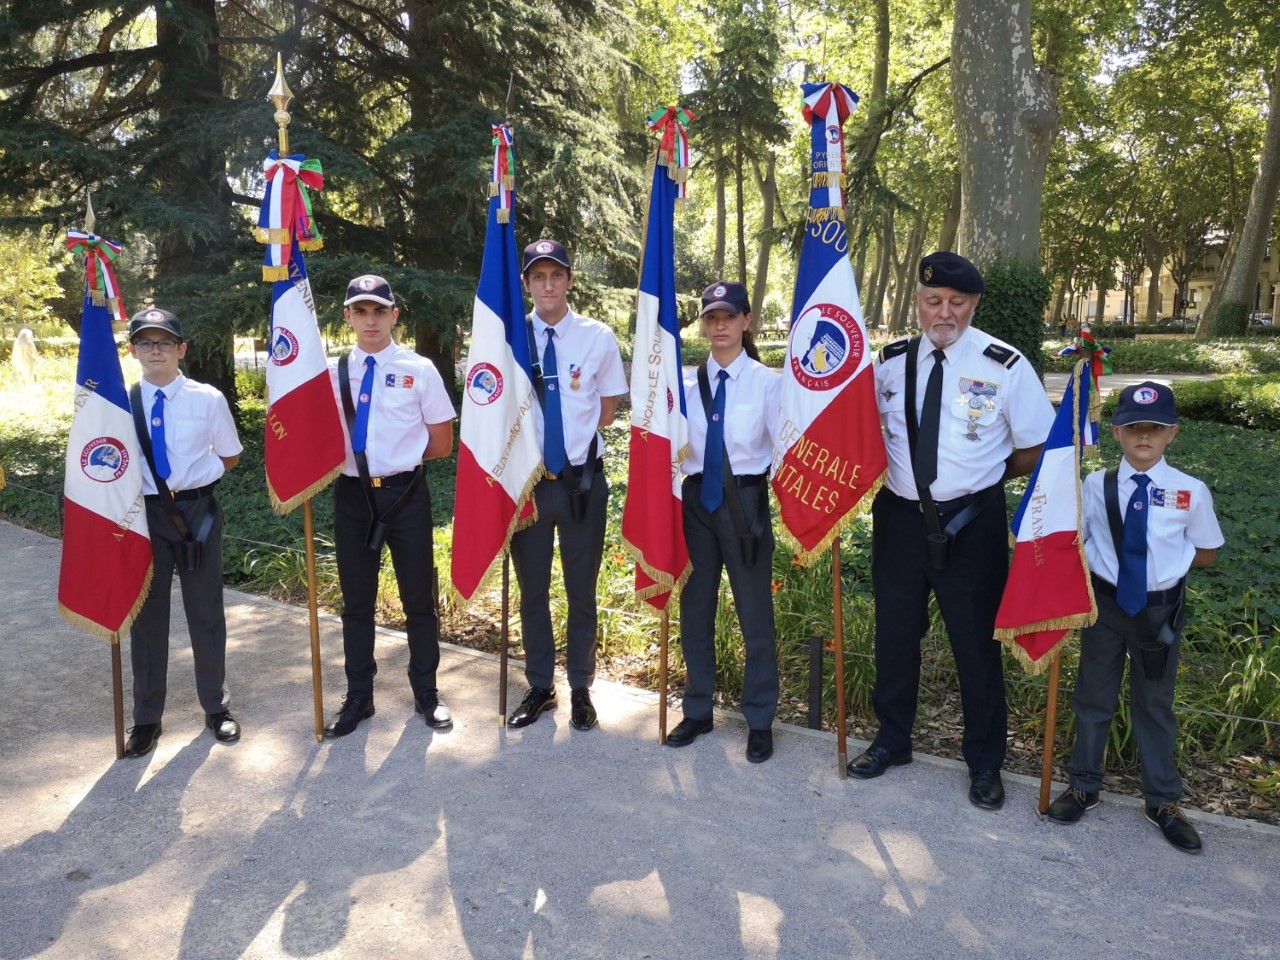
x=1013, y=306
x=1239, y=401
x=1246, y=355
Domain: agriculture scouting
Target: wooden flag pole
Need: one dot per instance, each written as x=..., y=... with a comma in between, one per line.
x=1050, y=730
x=117, y=690
x=837, y=600
x=664, y=630
x=506, y=638
x=280, y=95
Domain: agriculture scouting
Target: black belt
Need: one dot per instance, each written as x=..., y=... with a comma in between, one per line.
x=393, y=481
x=744, y=479
x=573, y=470
x=948, y=506
x=1155, y=598
x=196, y=494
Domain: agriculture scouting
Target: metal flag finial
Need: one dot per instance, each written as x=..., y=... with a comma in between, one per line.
x=90, y=218
x=280, y=95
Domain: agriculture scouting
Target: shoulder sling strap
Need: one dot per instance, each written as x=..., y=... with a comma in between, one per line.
x=732, y=493
x=162, y=488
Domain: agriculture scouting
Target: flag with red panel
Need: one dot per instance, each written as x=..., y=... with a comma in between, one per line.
x=830, y=452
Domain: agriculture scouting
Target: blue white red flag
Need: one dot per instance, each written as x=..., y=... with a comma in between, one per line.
x=830, y=453
x=106, y=549
x=1048, y=591
x=499, y=453
x=652, y=518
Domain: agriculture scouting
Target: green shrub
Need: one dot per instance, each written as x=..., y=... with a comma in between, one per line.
x=1242, y=355
x=1240, y=401
x=1013, y=306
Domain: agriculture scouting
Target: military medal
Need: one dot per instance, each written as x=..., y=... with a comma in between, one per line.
x=575, y=376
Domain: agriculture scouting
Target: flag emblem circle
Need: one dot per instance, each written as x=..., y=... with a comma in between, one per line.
x=671, y=401
x=284, y=347
x=104, y=459
x=543, y=246
x=826, y=347
x=1146, y=395
x=833, y=134
x=484, y=384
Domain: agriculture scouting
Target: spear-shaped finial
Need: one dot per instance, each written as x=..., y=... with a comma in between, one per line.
x=90, y=218
x=280, y=95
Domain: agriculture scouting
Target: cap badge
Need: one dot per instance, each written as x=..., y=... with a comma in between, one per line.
x=544, y=246
x=154, y=315
x=1145, y=395
x=719, y=291
x=366, y=283
x=928, y=273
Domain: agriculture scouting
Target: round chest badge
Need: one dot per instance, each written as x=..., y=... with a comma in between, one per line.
x=104, y=459
x=1145, y=395
x=284, y=348
x=484, y=384
x=826, y=347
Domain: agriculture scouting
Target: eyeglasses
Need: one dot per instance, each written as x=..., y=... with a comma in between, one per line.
x=164, y=346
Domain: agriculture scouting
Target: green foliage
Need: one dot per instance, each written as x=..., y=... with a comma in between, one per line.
x=1013, y=306
x=1232, y=319
x=1252, y=355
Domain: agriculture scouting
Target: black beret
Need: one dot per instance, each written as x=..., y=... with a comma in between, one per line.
x=947, y=269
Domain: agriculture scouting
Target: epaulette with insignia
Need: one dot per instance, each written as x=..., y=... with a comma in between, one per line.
x=1005, y=356
x=895, y=349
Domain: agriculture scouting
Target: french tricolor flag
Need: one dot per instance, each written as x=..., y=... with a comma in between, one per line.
x=830, y=452
x=652, y=519
x=499, y=452
x=106, y=549
x=1048, y=591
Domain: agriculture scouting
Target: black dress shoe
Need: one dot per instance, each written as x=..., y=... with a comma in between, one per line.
x=433, y=711
x=759, y=745
x=224, y=726
x=355, y=707
x=986, y=790
x=531, y=707
x=142, y=739
x=874, y=761
x=688, y=730
x=1175, y=826
x=582, y=715
x=1071, y=805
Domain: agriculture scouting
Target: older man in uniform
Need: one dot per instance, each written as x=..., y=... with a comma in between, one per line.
x=962, y=412
x=579, y=378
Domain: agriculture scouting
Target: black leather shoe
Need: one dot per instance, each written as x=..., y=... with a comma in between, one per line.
x=434, y=711
x=688, y=730
x=582, y=715
x=759, y=745
x=1175, y=826
x=224, y=726
x=531, y=707
x=874, y=761
x=986, y=790
x=1071, y=805
x=355, y=707
x=142, y=739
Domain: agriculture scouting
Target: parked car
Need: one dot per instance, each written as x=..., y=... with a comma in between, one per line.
x=1262, y=319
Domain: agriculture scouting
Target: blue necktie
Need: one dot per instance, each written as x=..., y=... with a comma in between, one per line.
x=158, y=449
x=553, y=457
x=360, y=434
x=1131, y=583
x=713, y=456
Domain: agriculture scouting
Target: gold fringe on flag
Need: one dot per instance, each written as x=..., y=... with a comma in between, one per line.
x=272, y=274
x=98, y=297
x=515, y=527
x=820, y=180
x=493, y=188
x=504, y=214
x=271, y=235
x=98, y=630
x=508, y=181
x=681, y=175
x=807, y=558
x=286, y=506
x=309, y=246
x=823, y=214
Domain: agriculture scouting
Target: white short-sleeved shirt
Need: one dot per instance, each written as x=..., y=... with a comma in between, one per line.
x=589, y=367
x=751, y=415
x=1179, y=522
x=992, y=404
x=408, y=394
x=198, y=432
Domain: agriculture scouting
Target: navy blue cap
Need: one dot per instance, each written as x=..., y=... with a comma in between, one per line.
x=723, y=295
x=370, y=287
x=947, y=269
x=1145, y=402
x=153, y=318
x=545, y=250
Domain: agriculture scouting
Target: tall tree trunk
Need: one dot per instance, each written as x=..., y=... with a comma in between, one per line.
x=861, y=237
x=1059, y=296
x=885, y=258
x=905, y=287
x=951, y=220
x=191, y=177
x=1153, y=253
x=722, y=214
x=769, y=196
x=740, y=197
x=1006, y=117
x=1239, y=276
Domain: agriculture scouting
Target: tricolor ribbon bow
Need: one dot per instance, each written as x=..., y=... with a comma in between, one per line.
x=502, y=182
x=826, y=107
x=285, y=217
x=100, y=277
x=673, y=151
